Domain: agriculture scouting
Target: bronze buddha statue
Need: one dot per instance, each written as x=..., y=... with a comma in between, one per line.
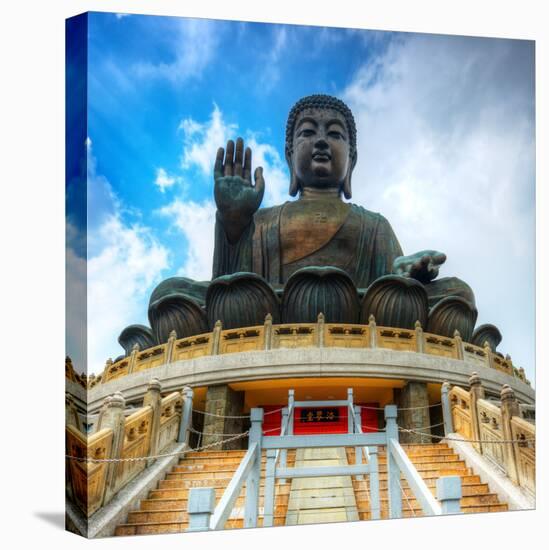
x=315, y=254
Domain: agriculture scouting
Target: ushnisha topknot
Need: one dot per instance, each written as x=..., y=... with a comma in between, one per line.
x=321, y=101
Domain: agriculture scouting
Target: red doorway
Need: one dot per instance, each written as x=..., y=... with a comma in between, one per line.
x=319, y=420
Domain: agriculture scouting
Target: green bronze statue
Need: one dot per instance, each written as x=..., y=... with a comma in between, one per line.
x=319, y=228
x=317, y=254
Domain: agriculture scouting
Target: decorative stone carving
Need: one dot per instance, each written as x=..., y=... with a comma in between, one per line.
x=172, y=308
x=241, y=300
x=450, y=314
x=313, y=290
x=487, y=333
x=136, y=334
x=395, y=301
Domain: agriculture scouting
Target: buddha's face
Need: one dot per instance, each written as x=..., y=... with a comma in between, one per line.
x=321, y=148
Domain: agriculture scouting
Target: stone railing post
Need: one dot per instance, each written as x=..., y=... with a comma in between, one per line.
x=509, y=408
x=201, y=508
x=133, y=358
x=391, y=430
x=108, y=365
x=268, y=332
x=459, y=345
x=350, y=407
x=112, y=416
x=449, y=494
x=488, y=352
x=476, y=392
x=216, y=338
x=251, y=503
x=420, y=342
x=373, y=331
x=71, y=414
x=170, y=346
x=186, y=416
x=320, y=326
x=154, y=400
x=283, y=452
x=446, y=409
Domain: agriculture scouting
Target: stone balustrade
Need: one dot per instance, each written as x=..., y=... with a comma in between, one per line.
x=148, y=431
x=496, y=430
x=304, y=335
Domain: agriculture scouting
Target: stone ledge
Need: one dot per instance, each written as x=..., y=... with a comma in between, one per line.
x=308, y=363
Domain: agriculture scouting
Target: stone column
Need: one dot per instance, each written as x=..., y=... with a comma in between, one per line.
x=112, y=416
x=222, y=401
x=413, y=412
x=476, y=391
x=509, y=408
x=154, y=400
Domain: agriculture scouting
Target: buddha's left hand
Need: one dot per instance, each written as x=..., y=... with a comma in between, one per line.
x=422, y=266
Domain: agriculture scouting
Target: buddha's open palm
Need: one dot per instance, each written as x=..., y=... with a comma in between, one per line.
x=236, y=198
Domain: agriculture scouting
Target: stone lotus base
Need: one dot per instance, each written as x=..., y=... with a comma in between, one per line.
x=244, y=299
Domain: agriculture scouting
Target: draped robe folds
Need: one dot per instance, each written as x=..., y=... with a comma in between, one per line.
x=369, y=248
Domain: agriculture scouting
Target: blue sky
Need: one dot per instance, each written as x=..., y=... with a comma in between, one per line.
x=445, y=151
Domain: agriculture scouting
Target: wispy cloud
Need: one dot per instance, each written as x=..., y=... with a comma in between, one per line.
x=446, y=153
x=165, y=181
x=202, y=139
x=195, y=221
x=125, y=262
x=193, y=43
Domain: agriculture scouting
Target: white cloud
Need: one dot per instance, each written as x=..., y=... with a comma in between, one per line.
x=270, y=74
x=196, y=222
x=193, y=43
x=122, y=15
x=124, y=263
x=446, y=153
x=165, y=181
x=201, y=141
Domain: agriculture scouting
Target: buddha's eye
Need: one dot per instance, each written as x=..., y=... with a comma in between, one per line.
x=335, y=134
x=306, y=132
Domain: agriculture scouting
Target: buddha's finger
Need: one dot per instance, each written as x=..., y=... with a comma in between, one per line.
x=259, y=183
x=218, y=167
x=229, y=159
x=438, y=258
x=247, y=171
x=238, y=157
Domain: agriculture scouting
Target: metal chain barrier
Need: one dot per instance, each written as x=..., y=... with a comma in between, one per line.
x=136, y=458
x=503, y=441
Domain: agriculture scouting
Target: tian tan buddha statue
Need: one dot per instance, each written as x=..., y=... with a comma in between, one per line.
x=317, y=254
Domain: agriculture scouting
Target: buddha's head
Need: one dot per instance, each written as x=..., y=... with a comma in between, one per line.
x=321, y=144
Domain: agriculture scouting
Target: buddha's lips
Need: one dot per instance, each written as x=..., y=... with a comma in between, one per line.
x=322, y=156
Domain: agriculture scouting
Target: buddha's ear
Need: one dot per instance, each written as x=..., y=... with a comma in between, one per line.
x=347, y=190
x=294, y=183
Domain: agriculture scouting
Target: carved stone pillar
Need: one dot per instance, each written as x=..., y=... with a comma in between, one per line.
x=509, y=408
x=223, y=402
x=413, y=412
x=154, y=400
x=476, y=391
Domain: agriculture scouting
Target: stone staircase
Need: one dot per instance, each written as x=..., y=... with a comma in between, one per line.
x=431, y=461
x=165, y=509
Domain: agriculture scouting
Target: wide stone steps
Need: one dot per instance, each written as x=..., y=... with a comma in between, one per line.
x=165, y=509
x=432, y=462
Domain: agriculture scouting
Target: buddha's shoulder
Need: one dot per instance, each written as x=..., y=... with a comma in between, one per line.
x=368, y=216
x=269, y=214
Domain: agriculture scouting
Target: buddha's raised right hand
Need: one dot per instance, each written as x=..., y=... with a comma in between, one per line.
x=236, y=198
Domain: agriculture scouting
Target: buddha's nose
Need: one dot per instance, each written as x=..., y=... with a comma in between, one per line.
x=321, y=143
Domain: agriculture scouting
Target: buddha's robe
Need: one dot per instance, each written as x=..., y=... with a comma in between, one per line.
x=282, y=239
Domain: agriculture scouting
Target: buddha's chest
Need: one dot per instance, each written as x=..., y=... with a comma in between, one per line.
x=308, y=226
